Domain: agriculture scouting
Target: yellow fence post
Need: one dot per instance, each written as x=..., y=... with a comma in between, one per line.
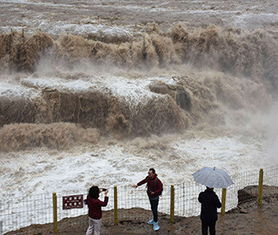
x=260, y=188
x=223, y=201
x=172, y=204
x=55, y=214
x=116, y=219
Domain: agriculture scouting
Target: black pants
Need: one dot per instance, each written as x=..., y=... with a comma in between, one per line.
x=154, y=205
x=208, y=225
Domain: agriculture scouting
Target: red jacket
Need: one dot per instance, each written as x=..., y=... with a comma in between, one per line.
x=94, y=206
x=153, y=185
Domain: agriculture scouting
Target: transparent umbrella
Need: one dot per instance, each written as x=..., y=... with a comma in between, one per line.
x=213, y=177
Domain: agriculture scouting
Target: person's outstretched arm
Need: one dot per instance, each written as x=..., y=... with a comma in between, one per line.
x=141, y=182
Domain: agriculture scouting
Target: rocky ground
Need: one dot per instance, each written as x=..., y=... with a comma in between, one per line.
x=247, y=218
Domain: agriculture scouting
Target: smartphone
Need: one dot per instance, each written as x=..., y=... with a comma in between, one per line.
x=103, y=189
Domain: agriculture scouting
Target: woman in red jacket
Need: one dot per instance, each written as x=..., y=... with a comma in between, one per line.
x=95, y=213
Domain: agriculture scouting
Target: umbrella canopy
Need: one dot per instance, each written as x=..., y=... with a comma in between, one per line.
x=213, y=177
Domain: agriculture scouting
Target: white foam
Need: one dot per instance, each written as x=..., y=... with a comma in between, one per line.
x=58, y=83
x=62, y=27
x=249, y=19
x=46, y=171
x=16, y=91
x=30, y=2
x=13, y=1
x=132, y=90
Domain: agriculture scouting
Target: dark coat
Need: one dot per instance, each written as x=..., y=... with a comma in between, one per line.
x=94, y=206
x=154, y=186
x=210, y=202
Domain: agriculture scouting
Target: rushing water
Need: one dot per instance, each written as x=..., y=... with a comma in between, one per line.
x=103, y=106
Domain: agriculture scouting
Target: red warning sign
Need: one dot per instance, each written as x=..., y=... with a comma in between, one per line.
x=73, y=201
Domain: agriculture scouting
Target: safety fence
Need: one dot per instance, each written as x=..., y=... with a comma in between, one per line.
x=176, y=200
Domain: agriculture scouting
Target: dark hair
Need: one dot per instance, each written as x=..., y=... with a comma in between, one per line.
x=208, y=188
x=152, y=170
x=94, y=192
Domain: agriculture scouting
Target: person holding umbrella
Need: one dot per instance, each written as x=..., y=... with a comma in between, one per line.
x=211, y=178
x=209, y=204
